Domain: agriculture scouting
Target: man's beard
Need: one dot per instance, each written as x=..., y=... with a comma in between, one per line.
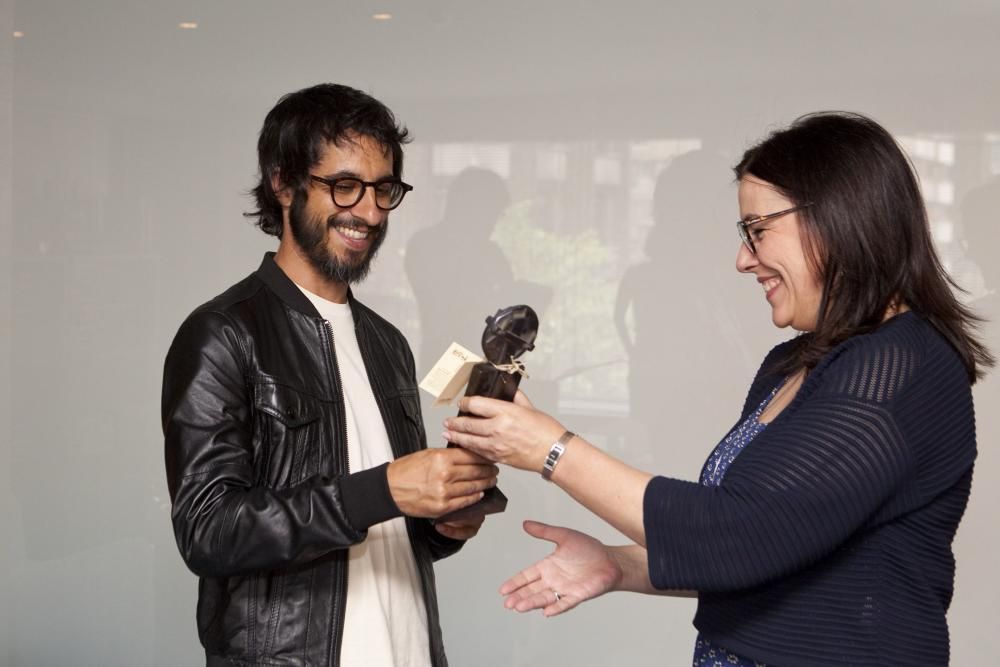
x=312, y=235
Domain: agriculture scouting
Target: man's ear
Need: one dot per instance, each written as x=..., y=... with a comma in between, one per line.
x=281, y=191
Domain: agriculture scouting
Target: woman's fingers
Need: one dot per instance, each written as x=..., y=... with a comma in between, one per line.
x=510, y=434
x=528, y=596
x=482, y=406
x=472, y=443
x=520, y=398
x=475, y=434
x=468, y=425
x=520, y=580
x=538, y=596
x=544, y=531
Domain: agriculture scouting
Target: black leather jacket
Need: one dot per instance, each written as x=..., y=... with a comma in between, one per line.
x=256, y=457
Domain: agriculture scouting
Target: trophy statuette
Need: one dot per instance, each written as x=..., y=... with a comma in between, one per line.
x=509, y=334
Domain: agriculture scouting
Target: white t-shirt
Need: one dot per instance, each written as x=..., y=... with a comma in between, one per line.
x=386, y=619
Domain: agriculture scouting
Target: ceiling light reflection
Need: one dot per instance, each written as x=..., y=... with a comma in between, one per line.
x=382, y=16
x=187, y=25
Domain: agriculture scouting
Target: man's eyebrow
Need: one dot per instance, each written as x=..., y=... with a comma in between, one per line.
x=347, y=173
x=343, y=173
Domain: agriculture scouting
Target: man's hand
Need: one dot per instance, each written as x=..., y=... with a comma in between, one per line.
x=460, y=530
x=433, y=482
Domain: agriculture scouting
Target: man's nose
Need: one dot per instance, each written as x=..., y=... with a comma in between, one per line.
x=367, y=209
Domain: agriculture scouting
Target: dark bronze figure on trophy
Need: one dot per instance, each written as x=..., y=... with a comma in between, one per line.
x=509, y=334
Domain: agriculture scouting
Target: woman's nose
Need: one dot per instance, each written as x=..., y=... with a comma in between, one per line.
x=745, y=260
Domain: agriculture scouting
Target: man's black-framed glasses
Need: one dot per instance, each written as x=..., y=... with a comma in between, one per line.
x=743, y=226
x=348, y=191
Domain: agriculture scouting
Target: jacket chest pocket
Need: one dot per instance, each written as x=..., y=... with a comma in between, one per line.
x=288, y=433
x=404, y=407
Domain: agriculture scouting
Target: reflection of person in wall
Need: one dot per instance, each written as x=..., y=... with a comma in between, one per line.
x=821, y=530
x=680, y=250
x=455, y=268
x=980, y=224
x=980, y=229
x=296, y=459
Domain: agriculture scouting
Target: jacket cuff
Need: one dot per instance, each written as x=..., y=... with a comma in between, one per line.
x=367, y=499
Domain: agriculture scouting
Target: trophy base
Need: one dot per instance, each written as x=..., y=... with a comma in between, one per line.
x=493, y=502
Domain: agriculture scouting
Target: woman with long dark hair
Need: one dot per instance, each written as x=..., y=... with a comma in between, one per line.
x=820, y=532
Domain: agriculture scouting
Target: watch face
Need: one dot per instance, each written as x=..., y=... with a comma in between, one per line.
x=509, y=334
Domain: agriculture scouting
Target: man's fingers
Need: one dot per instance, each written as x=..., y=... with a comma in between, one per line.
x=456, y=495
x=473, y=471
x=458, y=502
x=465, y=490
x=459, y=456
x=479, y=471
x=465, y=480
x=446, y=529
x=464, y=523
x=458, y=530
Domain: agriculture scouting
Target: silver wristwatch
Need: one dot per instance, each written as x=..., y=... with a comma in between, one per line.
x=557, y=449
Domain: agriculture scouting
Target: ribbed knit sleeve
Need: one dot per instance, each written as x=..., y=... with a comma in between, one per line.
x=873, y=454
x=824, y=470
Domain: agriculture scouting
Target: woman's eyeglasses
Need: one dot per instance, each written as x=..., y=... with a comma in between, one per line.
x=743, y=226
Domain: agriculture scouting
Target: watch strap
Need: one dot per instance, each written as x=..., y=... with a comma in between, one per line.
x=557, y=449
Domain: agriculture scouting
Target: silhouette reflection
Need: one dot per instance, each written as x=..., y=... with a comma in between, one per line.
x=980, y=211
x=980, y=215
x=677, y=318
x=459, y=275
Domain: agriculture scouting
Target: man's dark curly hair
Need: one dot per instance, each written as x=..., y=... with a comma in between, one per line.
x=297, y=130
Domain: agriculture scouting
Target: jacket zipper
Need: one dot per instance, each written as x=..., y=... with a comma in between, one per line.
x=340, y=597
x=396, y=445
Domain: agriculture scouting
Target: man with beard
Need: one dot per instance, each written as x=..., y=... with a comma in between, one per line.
x=302, y=490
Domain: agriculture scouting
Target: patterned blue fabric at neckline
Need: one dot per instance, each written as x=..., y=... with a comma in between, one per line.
x=707, y=654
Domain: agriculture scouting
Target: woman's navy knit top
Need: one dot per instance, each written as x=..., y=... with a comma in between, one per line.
x=828, y=541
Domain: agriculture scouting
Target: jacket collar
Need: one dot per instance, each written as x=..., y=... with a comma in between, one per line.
x=287, y=291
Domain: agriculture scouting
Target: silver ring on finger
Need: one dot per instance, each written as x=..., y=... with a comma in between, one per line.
x=558, y=597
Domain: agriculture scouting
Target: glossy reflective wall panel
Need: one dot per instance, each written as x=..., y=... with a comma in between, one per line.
x=574, y=156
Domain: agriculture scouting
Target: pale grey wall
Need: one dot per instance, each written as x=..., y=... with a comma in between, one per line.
x=9, y=552
x=126, y=147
